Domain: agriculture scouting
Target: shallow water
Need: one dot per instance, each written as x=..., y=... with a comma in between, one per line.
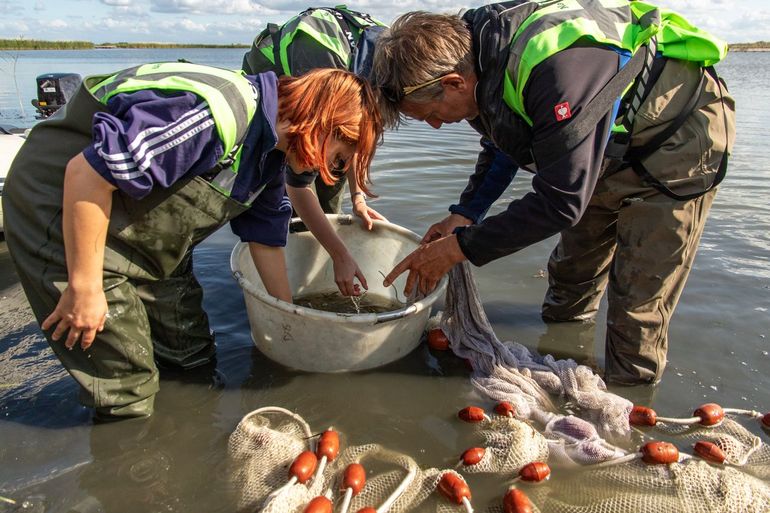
x=336, y=302
x=51, y=452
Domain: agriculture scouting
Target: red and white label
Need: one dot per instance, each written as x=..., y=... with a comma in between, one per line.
x=562, y=111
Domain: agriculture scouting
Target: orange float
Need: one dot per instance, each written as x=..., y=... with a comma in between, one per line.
x=471, y=414
x=454, y=488
x=516, y=501
x=437, y=340
x=659, y=453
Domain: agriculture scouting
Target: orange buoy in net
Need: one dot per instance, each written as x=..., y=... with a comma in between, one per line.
x=642, y=416
x=437, y=340
x=709, y=451
x=354, y=478
x=303, y=466
x=516, y=501
x=471, y=414
x=328, y=445
x=535, y=472
x=368, y=509
x=505, y=409
x=320, y=504
x=454, y=488
x=710, y=414
x=659, y=453
x=473, y=455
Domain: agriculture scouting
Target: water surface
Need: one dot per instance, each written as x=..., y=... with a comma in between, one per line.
x=54, y=456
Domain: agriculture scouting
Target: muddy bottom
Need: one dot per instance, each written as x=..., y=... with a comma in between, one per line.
x=337, y=303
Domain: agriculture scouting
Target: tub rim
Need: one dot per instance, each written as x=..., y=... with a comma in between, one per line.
x=343, y=318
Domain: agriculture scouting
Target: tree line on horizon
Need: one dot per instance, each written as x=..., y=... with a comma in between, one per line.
x=39, y=44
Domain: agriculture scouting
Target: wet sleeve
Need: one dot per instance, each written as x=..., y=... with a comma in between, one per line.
x=151, y=139
x=562, y=188
x=300, y=180
x=493, y=174
x=267, y=220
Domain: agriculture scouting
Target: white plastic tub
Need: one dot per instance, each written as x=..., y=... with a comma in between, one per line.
x=319, y=341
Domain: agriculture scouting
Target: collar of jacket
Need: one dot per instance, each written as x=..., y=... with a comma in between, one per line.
x=493, y=27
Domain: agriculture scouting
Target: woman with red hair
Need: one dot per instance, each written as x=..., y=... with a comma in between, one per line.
x=105, y=202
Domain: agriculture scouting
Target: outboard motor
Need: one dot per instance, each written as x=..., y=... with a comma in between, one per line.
x=53, y=91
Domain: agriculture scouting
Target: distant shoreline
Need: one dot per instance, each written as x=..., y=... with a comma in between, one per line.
x=35, y=44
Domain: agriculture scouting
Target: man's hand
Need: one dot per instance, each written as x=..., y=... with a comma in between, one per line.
x=445, y=227
x=427, y=264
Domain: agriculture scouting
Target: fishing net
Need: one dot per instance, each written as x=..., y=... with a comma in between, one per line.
x=549, y=413
x=267, y=442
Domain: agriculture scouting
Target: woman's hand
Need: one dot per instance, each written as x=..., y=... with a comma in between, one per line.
x=365, y=212
x=86, y=208
x=345, y=271
x=445, y=227
x=82, y=313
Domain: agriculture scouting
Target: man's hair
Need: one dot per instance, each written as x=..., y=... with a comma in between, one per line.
x=419, y=46
x=326, y=103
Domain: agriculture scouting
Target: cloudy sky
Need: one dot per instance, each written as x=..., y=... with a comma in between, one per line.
x=237, y=21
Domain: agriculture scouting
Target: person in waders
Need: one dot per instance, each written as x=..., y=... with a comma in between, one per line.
x=319, y=37
x=107, y=198
x=617, y=110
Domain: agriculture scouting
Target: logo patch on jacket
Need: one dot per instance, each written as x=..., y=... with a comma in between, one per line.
x=562, y=111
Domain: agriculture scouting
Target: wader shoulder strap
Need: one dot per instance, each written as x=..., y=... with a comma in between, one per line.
x=567, y=138
x=637, y=153
x=346, y=21
x=275, y=34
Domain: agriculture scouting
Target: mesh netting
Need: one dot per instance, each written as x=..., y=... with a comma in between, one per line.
x=515, y=444
x=267, y=441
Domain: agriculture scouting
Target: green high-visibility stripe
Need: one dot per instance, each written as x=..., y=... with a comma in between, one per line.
x=220, y=109
x=557, y=25
x=208, y=83
x=268, y=53
x=321, y=26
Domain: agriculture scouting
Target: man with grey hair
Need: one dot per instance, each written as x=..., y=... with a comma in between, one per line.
x=626, y=142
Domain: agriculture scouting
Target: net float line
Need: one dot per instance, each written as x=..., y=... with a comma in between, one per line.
x=327, y=448
x=320, y=504
x=301, y=470
x=516, y=501
x=709, y=414
x=534, y=472
x=452, y=486
x=652, y=453
x=353, y=481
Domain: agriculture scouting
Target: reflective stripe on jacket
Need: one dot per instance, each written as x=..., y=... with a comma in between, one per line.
x=620, y=24
x=230, y=96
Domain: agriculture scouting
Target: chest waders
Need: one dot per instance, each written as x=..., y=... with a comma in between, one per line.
x=631, y=28
x=153, y=297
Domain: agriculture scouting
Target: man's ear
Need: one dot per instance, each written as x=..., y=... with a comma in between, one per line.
x=454, y=81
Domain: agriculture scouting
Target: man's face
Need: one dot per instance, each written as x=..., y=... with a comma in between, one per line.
x=457, y=103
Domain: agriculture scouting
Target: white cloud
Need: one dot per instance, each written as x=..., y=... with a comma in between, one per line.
x=209, y=6
x=54, y=24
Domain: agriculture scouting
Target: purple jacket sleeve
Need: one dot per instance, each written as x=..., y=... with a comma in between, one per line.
x=267, y=220
x=563, y=188
x=150, y=139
